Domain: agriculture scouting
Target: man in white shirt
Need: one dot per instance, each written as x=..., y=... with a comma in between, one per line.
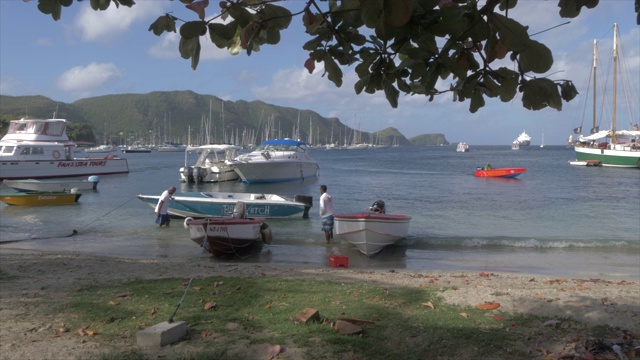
x=326, y=212
x=162, y=209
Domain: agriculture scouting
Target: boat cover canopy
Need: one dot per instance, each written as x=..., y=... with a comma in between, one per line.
x=607, y=133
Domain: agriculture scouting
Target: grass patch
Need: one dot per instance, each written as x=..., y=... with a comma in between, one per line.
x=250, y=311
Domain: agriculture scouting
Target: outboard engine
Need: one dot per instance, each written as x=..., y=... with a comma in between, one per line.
x=187, y=173
x=378, y=207
x=197, y=174
x=240, y=210
x=307, y=201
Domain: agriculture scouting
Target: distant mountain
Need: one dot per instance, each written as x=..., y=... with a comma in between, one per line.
x=429, y=140
x=178, y=116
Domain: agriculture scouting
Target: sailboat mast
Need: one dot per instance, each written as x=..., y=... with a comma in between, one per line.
x=615, y=81
x=595, y=67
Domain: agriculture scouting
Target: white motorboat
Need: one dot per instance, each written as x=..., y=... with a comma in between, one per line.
x=37, y=148
x=371, y=231
x=462, y=147
x=220, y=204
x=136, y=149
x=211, y=165
x=276, y=161
x=524, y=139
x=515, y=145
x=54, y=185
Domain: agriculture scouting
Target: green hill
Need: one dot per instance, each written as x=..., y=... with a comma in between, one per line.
x=183, y=116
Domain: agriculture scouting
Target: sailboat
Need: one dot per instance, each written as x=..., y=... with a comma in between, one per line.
x=542, y=141
x=613, y=147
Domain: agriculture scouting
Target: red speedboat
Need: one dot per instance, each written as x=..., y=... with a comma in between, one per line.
x=500, y=172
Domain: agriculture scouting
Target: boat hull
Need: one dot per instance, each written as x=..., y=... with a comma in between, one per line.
x=371, y=232
x=500, y=172
x=62, y=168
x=225, y=235
x=254, y=172
x=53, y=185
x=617, y=157
x=40, y=199
x=202, y=205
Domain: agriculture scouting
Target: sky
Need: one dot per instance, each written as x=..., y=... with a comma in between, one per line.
x=88, y=53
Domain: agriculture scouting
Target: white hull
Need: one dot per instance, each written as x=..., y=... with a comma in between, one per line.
x=275, y=171
x=61, y=168
x=211, y=165
x=226, y=235
x=369, y=232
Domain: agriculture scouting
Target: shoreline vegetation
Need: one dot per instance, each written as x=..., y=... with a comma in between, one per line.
x=66, y=305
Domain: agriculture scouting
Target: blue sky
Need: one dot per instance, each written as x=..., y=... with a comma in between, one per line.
x=88, y=53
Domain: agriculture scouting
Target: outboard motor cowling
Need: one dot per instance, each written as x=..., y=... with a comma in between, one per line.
x=378, y=207
x=240, y=210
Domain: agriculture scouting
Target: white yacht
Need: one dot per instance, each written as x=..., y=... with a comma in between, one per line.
x=524, y=139
x=211, y=165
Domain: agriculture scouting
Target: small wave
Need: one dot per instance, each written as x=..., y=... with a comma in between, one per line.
x=528, y=243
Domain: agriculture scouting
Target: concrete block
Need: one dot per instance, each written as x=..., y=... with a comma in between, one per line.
x=162, y=334
x=306, y=316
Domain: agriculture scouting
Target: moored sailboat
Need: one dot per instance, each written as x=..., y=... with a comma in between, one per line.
x=613, y=147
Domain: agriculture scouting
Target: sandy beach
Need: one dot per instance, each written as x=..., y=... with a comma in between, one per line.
x=32, y=282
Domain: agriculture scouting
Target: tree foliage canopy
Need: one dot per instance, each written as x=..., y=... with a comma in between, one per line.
x=396, y=46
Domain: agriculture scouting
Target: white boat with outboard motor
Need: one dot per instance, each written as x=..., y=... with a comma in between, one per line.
x=370, y=231
x=219, y=204
x=39, y=148
x=211, y=165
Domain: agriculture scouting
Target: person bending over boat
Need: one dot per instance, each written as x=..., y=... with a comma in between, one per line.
x=378, y=207
x=326, y=212
x=162, y=209
x=488, y=166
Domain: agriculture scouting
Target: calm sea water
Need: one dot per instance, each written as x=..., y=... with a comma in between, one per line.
x=555, y=219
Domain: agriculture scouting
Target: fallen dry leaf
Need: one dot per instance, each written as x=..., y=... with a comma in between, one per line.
x=268, y=306
x=464, y=315
x=210, y=305
x=197, y=288
x=488, y=305
x=82, y=331
x=429, y=304
x=124, y=294
x=113, y=302
x=217, y=283
x=154, y=310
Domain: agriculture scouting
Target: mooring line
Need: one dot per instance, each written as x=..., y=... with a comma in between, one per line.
x=73, y=232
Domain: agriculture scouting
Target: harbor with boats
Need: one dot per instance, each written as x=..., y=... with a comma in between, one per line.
x=533, y=223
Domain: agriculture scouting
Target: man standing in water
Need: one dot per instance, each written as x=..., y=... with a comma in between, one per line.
x=162, y=209
x=326, y=212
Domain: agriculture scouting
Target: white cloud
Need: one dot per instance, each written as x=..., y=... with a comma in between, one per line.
x=105, y=26
x=85, y=79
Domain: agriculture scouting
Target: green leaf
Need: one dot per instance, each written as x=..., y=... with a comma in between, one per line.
x=188, y=47
x=477, y=101
x=163, y=23
x=222, y=34
x=277, y=17
x=513, y=34
x=100, y=4
x=568, y=91
x=195, y=58
x=397, y=12
x=571, y=8
x=392, y=94
x=536, y=57
x=540, y=93
x=372, y=12
x=193, y=29
x=333, y=70
x=508, y=80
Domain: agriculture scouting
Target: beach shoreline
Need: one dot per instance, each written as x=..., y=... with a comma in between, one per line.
x=32, y=280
